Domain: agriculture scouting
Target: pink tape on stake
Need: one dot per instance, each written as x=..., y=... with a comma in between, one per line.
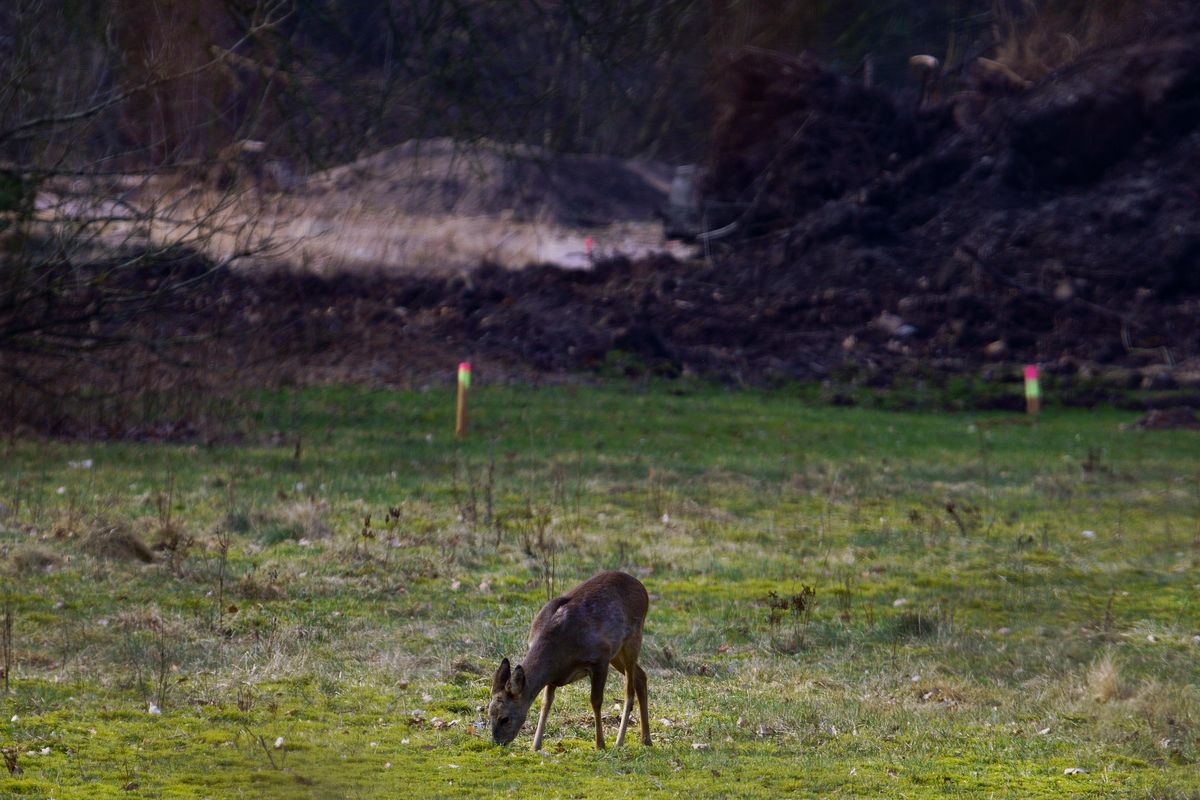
x=588, y=244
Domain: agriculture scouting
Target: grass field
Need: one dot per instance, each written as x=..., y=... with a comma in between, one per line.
x=997, y=609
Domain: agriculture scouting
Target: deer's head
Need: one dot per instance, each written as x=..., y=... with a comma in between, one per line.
x=508, y=708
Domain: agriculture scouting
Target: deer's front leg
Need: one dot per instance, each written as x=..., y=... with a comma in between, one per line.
x=599, y=676
x=541, y=728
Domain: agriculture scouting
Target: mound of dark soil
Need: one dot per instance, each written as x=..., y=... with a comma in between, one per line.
x=1057, y=225
x=792, y=135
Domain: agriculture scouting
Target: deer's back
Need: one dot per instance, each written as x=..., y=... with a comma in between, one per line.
x=598, y=614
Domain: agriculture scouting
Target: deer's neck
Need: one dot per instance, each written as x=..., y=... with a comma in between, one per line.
x=541, y=669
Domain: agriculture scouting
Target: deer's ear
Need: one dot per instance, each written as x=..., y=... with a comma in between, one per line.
x=502, y=676
x=516, y=686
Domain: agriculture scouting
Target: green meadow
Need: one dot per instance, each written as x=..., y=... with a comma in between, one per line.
x=845, y=602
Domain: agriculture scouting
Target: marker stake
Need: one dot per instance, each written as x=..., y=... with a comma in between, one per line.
x=1033, y=391
x=464, y=386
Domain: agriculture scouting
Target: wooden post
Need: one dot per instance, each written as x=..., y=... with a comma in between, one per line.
x=1033, y=391
x=464, y=386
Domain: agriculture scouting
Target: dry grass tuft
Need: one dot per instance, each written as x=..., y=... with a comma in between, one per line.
x=171, y=536
x=256, y=588
x=31, y=558
x=1104, y=682
x=1037, y=37
x=467, y=666
x=138, y=619
x=307, y=518
x=1170, y=711
x=115, y=542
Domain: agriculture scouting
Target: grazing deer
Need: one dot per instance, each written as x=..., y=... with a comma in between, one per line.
x=597, y=623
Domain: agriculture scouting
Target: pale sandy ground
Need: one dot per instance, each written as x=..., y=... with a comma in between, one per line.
x=367, y=238
x=435, y=208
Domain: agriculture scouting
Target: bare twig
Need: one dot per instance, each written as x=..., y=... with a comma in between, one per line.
x=952, y=510
x=262, y=742
x=6, y=647
x=220, y=55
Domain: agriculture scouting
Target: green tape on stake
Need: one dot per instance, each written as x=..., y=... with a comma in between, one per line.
x=1032, y=389
x=464, y=375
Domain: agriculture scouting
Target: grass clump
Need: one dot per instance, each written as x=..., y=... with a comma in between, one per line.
x=116, y=542
x=1104, y=680
x=295, y=520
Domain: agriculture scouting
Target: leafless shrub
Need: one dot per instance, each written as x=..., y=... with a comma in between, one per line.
x=224, y=539
x=788, y=616
x=6, y=648
x=279, y=747
x=96, y=119
x=152, y=648
x=466, y=500
x=532, y=528
x=657, y=493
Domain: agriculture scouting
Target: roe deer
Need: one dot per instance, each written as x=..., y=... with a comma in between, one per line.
x=597, y=623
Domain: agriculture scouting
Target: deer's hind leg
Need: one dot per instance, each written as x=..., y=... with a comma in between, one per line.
x=599, y=677
x=638, y=679
x=626, y=661
x=628, y=708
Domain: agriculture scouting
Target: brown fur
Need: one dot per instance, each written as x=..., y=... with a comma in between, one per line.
x=596, y=624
